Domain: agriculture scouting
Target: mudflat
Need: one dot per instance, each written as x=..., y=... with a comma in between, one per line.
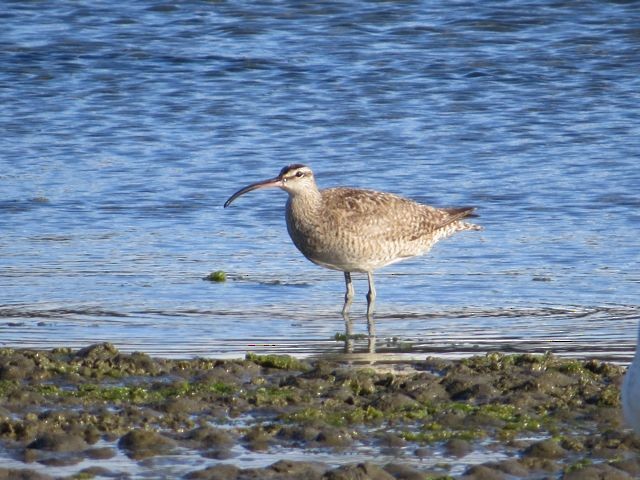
x=100, y=413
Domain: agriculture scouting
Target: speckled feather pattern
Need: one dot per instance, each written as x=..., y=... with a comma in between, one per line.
x=358, y=230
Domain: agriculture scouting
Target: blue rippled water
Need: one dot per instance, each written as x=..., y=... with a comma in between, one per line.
x=126, y=125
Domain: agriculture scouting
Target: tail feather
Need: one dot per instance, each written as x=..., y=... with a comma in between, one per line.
x=458, y=213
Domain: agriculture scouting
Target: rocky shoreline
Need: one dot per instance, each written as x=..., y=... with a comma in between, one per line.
x=535, y=416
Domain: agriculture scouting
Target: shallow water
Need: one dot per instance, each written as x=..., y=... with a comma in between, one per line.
x=126, y=127
x=185, y=461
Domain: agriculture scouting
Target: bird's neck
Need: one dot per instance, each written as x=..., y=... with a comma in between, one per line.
x=305, y=205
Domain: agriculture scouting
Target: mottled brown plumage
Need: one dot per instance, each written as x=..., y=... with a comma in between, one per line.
x=355, y=230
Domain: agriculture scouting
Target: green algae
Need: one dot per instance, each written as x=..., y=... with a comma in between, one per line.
x=336, y=418
x=274, y=396
x=578, y=465
x=361, y=386
x=572, y=443
x=83, y=476
x=133, y=394
x=7, y=387
x=49, y=390
x=115, y=394
x=343, y=337
x=147, y=394
x=497, y=361
x=187, y=389
x=608, y=397
x=505, y=398
x=217, y=276
x=281, y=362
x=435, y=433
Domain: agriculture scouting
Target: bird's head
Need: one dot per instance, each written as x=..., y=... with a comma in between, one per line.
x=293, y=179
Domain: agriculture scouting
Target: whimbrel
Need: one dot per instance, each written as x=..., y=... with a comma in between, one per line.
x=631, y=392
x=354, y=230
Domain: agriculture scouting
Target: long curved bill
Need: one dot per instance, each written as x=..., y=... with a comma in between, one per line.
x=272, y=182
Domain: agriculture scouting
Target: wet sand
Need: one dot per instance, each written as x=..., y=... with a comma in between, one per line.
x=99, y=413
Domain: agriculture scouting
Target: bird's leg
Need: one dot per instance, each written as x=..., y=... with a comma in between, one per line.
x=371, y=296
x=348, y=324
x=348, y=296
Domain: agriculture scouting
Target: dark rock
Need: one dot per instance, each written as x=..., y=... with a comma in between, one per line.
x=361, y=471
x=454, y=420
x=299, y=434
x=322, y=369
x=243, y=369
x=390, y=439
x=100, y=472
x=17, y=368
x=458, y=447
x=143, y=363
x=257, y=439
x=61, y=461
x=632, y=441
x=403, y=472
x=341, y=393
x=221, y=471
x=59, y=442
x=548, y=449
x=209, y=437
x=551, y=381
x=140, y=444
x=312, y=386
x=394, y=402
x=334, y=437
x=19, y=474
x=573, y=443
x=600, y=471
x=434, y=364
x=629, y=465
x=98, y=352
x=359, y=382
x=476, y=389
x=426, y=388
x=101, y=453
x=537, y=463
x=423, y=452
x=30, y=455
x=483, y=472
x=484, y=421
x=511, y=467
x=219, y=453
x=467, y=386
x=91, y=434
x=295, y=470
x=183, y=406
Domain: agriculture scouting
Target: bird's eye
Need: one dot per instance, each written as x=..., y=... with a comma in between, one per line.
x=299, y=174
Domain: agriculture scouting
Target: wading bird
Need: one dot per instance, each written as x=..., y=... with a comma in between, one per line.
x=355, y=230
